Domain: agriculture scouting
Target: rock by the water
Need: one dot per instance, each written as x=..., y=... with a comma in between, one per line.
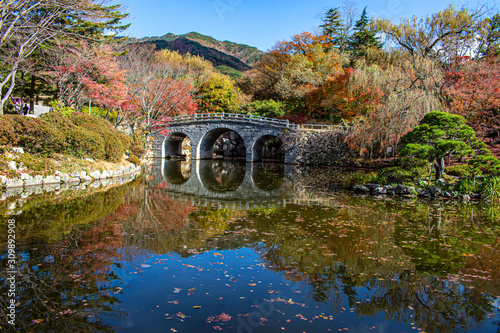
x=361, y=189
x=434, y=191
x=379, y=190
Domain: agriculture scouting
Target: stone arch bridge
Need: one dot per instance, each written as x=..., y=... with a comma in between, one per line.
x=204, y=129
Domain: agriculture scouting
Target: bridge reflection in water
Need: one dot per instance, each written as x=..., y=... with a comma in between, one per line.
x=232, y=184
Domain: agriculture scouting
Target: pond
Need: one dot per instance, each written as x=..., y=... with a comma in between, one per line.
x=233, y=247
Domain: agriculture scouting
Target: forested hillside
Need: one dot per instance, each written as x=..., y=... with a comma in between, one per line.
x=219, y=53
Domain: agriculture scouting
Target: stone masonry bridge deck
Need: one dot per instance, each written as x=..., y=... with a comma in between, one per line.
x=204, y=129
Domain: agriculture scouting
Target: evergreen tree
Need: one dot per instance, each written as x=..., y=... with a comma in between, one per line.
x=332, y=26
x=489, y=42
x=363, y=37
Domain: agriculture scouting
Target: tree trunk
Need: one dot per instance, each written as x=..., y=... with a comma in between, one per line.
x=32, y=95
x=439, y=165
x=21, y=97
x=5, y=97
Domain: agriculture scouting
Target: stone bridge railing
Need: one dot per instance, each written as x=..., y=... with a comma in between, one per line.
x=255, y=119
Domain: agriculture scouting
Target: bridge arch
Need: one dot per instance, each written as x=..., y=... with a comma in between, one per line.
x=172, y=145
x=205, y=147
x=259, y=144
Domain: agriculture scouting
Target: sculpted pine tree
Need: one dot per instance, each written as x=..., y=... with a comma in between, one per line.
x=442, y=134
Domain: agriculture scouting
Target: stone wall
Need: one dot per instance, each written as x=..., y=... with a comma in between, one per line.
x=321, y=148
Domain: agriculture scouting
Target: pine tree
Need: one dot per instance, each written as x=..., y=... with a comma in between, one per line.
x=332, y=27
x=363, y=37
x=490, y=42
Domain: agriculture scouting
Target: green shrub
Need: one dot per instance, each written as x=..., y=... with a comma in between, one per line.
x=61, y=110
x=125, y=140
x=362, y=177
x=134, y=159
x=36, y=136
x=465, y=186
x=83, y=144
x=8, y=134
x=103, y=113
x=407, y=172
x=490, y=188
x=397, y=175
x=413, y=163
x=137, y=149
x=268, y=108
x=460, y=170
x=112, y=144
x=80, y=142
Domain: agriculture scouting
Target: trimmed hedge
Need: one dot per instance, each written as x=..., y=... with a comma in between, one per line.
x=81, y=136
x=112, y=139
x=33, y=134
x=8, y=135
x=79, y=141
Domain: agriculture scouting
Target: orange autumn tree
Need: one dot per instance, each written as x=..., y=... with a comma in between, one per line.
x=339, y=99
x=295, y=67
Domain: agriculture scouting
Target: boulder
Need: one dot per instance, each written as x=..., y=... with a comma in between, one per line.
x=434, y=191
x=52, y=180
x=410, y=190
x=75, y=175
x=361, y=189
x=371, y=186
x=65, y=178
x=18, y=150
x=86, y=179
x=9, y=183
x=400, y=189
x=95, y=175
x=379, y=190
x=423, y=193
x=37, y=180
x=25, y=176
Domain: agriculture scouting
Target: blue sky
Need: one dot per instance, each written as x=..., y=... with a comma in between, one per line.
x=259, y=23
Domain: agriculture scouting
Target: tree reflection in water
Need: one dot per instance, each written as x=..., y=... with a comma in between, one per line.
x=431, y=265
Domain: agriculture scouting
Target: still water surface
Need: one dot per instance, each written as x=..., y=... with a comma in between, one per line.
x=219, y=246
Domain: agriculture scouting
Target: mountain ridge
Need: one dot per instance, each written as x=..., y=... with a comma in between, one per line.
x=219, y=53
